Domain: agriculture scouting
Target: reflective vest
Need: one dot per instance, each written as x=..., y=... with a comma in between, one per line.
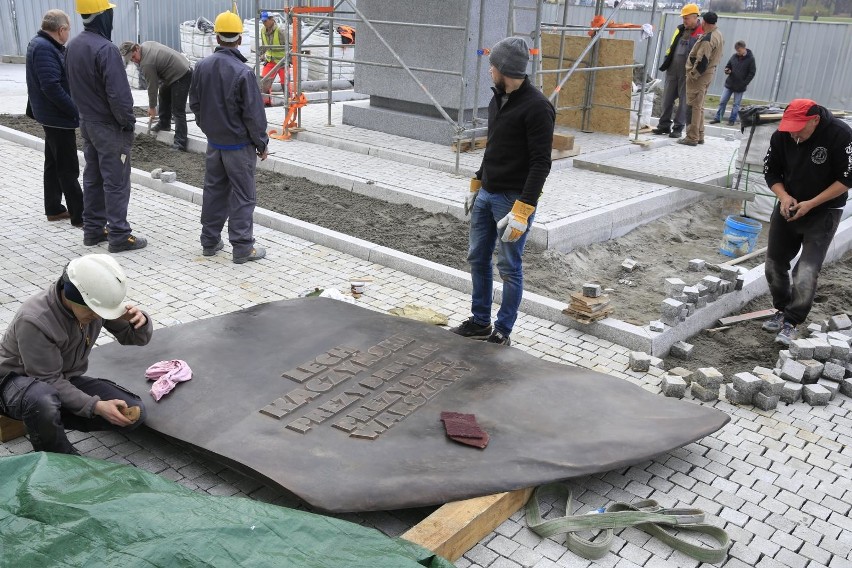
x=347, y=34
x=273, y=55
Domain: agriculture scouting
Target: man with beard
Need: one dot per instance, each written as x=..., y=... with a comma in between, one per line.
x=101, y=92
x=504, y=194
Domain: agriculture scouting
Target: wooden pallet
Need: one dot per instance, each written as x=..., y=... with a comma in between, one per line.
x=457, y=527
x=466, y=146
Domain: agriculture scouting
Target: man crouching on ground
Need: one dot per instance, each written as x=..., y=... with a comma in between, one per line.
x=45, y=351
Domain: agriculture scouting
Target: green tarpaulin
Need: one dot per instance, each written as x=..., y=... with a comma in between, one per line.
x=58, y=510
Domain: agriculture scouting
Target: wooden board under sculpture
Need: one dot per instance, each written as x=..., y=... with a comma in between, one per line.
x=611, y=87
x=341, y=406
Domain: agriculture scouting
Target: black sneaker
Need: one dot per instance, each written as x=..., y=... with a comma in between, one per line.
x=775, y=323
x=132, y=243
x=715, y=121
x=500, y=339
x=177, y=148
x=787, y=334
x=211, y=251
x=160, y=128
x=255, y=254
x=675, y=133
x=473, y=330
x=661, y=130
x=91, y=241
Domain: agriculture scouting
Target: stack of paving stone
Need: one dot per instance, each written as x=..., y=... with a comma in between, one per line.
x=590, y=306
x=704, y=383
x=682, y=301
x=762, y=388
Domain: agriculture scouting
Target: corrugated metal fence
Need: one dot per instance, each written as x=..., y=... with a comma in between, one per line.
x=794, y=58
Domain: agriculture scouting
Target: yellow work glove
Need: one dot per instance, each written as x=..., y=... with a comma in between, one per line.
x=515, y=222
x=475, y=184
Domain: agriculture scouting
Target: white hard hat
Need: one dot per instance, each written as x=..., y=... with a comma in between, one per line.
x=102, y=283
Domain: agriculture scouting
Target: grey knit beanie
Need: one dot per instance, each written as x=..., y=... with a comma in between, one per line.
x=510, y=57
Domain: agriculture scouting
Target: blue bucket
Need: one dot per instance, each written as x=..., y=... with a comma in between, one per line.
x=740, y=235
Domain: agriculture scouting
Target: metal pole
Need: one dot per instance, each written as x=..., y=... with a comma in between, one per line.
x=659, y=47
x=562, y=45
x=330, y=64
x=466, y=51
x=779, y=68
x=474, y=117
x=285, y=89
x=536, y=40
x=590, y=90
x=14, y=12
x=136, y=15
x=644, y=74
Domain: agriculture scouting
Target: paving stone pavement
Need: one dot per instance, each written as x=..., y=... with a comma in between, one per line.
x=779, y=482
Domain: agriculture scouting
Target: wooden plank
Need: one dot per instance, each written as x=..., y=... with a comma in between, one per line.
x=746, y=317
x=457, y=527
x=11, y=429
x=561, y=154
x=479, y=143
x=586, y=300
x=664, y=180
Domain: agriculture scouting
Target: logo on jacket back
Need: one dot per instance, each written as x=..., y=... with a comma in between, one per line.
x=819, y=155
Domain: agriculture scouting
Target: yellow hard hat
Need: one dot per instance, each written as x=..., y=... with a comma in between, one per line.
x=93, y=6
x=689, y=9
x=228, y=23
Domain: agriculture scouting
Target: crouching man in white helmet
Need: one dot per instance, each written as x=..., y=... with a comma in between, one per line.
x=44, y=355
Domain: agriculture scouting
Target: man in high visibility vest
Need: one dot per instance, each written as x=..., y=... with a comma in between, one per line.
x=271, y=36
x=347, y=34
x=674, y=64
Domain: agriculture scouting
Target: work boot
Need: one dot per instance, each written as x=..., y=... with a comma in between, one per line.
x=687, y=142
x=701, y=141
x=59, y=216
x=160, y=128
x=775, y=323
x=787, y=334
x=473, y=330
x=715, y=121
x=675, y=133
x=132, y=243
x=211, y=251
x=91, y=241
x=500, y=339
x=731, y=123
x=661, y=130
x=255, y=254
x=177, y=148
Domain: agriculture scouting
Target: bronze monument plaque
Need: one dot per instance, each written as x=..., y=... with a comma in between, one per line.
x=341, y=406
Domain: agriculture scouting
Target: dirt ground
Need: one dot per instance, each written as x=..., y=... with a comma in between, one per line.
x=662, y=248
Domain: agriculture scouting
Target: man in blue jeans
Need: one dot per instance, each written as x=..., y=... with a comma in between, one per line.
x=504, y=194
x=740, y=71
x=809, y=168
x=44, y=355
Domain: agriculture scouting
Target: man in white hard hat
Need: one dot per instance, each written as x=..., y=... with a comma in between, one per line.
x=44, y=355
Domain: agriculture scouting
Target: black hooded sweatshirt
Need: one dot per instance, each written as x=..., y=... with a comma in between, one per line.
x=807, y=169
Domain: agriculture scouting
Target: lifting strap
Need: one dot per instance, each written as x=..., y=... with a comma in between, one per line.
x=646, y=516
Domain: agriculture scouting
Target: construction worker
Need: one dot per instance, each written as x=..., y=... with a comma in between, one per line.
x=99, y=88
x=347, y=34
x=674, y=64
x=809, y=169
x=504, y=194
x=228, y=108
x=169, y=76
x=270, y=35
x=51, y=105
x=700, y=70
x=44, y=355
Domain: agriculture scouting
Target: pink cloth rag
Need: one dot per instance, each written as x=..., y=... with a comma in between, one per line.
x=166, y=375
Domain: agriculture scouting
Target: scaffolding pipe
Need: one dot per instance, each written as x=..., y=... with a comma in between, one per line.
x=474, y=117
x=410, y=24
x=376, y=64
x=561, y=46
x=644, y=74
x=601, y=68
x=465, y=51
x=536, y=39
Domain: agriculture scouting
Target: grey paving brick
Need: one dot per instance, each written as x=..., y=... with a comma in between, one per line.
x=745, y=553
x=808, y=550
x=791, y=559
x=504, y=563
x=484, y=556
x=526, y=557
x=502, y=545
x=734, y=516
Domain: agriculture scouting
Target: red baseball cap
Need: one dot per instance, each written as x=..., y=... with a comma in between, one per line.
x=796, y=115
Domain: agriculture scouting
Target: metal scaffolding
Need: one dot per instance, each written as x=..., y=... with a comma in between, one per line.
x=346, y=11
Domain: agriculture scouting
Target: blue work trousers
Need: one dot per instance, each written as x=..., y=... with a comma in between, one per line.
x=723, y=103
x=229, y=195
x=106, y=180
x=488, y=209
x=37, y=404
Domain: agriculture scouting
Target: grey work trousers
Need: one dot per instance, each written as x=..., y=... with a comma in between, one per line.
x=229, y=195
x=106, y=180
x=674, y=89
x=813, y=234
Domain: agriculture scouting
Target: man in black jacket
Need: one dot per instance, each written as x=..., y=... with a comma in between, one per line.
x=740, y=71
x=51, y=105
x=809, y=168
x=505, y=191
x=674, y=64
